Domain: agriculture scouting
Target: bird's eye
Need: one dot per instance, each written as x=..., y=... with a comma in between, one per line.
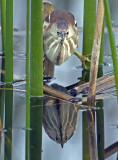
x=75, y=24
x=66, y=138
x=58, y=33
x=67, y=33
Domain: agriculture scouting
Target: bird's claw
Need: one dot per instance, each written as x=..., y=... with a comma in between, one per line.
x=85, y=59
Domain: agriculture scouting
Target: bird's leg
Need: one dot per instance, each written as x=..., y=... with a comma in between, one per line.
x=48, y=67
x=83, y=59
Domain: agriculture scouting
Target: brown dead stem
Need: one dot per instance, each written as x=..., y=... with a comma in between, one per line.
x=93, y=78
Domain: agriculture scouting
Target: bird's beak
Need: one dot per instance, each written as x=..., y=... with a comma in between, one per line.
x=62, y=35
x=62, y=145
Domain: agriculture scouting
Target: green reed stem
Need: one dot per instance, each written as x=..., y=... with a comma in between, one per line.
x=89, y=25
x=8, y=121
x=102, y=47
x=86, y=150
x=3, y=23
x=27, y=146
x=9, y=42
x=28, y=67
x=100, y=129
x=36, y=125
x=36, y=55
x=112, y=43
x=2, y=92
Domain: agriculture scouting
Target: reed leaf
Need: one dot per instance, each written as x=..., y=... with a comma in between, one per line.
x=112, y=43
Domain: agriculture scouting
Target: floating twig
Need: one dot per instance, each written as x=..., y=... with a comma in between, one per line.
x=111, y=150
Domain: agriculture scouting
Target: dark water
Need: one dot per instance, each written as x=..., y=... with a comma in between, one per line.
x=13, y=135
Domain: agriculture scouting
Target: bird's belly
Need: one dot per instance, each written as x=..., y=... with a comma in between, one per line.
x=58, y=52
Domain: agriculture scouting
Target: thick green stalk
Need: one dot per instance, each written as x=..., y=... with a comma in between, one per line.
x=9, y=42
x=89, y=25
x=112, y=43
x=3, y=23
x=36, y=55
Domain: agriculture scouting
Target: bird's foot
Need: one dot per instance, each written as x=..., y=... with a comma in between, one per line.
x=83, y=59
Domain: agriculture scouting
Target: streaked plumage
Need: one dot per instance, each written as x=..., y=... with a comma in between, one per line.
x=60, y=36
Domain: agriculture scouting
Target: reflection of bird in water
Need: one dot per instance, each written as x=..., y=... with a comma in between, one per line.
x=59, y=120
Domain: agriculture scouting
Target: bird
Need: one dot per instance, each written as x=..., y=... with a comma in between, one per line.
x=60, y=36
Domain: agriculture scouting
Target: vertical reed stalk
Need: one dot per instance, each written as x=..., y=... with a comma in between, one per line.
x=34, y=69
x=100, y=67
x=27, y=147
x=2, y=92
x=3, y=23
x=86, y=151
x=100, y=129
x=28, y=82
x=93, y=77
x=102, y=47
x=89, y=25
x=112, y=43
x=9, y=42
x=95, y=53
x=8, y=121
x=28, y=67
x=92, y=134
x=36, y=125
x=36, y=54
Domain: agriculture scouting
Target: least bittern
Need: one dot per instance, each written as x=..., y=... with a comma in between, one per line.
x=60, y=36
